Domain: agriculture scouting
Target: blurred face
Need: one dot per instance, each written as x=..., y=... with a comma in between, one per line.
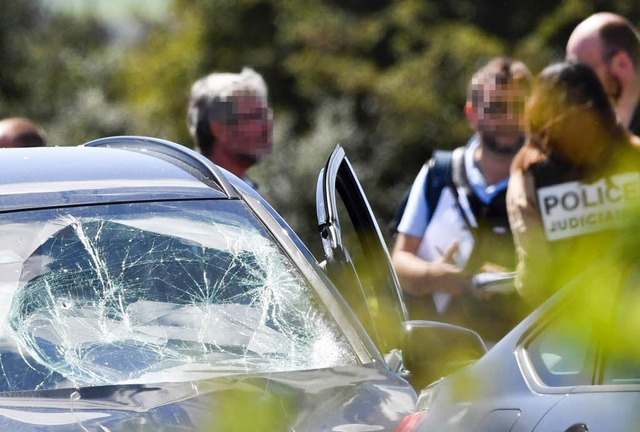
x=499, y=117
x=250, y=127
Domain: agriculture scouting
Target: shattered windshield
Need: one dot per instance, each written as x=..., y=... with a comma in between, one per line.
x=153, y=292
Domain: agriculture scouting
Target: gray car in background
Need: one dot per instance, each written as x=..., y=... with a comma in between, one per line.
x=573, y=365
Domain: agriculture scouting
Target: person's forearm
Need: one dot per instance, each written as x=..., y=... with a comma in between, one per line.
x=420, y=277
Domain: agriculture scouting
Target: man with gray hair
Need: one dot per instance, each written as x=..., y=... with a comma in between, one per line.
x=230, y=121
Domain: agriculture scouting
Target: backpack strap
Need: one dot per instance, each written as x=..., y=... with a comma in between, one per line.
x=444, y=167
x=459, y=180
x=438, y=177
x=459, y=172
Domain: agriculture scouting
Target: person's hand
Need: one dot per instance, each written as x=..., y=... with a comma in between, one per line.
x=488, y=267
x=450, y=278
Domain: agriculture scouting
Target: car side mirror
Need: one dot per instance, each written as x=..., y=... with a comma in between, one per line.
x=432, y=350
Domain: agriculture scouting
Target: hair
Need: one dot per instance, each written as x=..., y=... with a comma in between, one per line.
x=498, y=71
x=569, y=118
x=22, y=132
x=619, y=35
x=30, y=139
x=212, y=99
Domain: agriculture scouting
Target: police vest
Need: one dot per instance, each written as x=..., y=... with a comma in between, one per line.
x=572, y=208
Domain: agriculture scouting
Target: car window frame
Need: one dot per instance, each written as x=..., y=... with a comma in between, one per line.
x=337, y=180
x=551, y=311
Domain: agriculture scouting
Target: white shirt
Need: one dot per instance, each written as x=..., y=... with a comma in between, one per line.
x=447, y=223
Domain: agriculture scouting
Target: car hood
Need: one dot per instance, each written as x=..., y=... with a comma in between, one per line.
x=353, y=398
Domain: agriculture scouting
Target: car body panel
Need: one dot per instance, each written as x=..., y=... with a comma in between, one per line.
x=313, y=400
x=97, y=175
x=599, y=411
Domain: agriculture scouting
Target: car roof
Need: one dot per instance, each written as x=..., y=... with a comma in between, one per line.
x=57, y=176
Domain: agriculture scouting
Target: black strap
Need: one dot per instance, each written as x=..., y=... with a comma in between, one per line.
x=438, y=177
x=459, y=175
x=459, y=180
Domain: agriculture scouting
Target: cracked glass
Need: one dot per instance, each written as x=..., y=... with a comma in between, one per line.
x=153, y=292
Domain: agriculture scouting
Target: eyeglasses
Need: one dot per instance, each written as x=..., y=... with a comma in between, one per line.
x=253, y=116
x=502, y=107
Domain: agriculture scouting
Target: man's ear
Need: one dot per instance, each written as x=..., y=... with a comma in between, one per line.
x=622, y=67
x=470, y=112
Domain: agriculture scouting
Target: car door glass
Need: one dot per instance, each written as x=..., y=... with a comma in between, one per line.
x=352, y=240
x=563, y=353
x=566, y=348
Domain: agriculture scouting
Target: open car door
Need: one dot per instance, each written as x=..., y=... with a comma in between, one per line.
x=357, y=258
x=358, y=262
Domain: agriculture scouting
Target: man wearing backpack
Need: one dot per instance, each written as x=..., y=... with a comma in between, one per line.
x=465, y=230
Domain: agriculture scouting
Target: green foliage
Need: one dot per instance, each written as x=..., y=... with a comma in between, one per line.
x=386, y=79
x=154, y=80
x=57, y=73
x=17, y=20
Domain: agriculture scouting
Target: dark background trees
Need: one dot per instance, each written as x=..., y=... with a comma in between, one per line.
x=386, y=79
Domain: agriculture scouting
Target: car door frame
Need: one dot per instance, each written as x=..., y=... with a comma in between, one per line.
x=338, y=179
x=423, y=351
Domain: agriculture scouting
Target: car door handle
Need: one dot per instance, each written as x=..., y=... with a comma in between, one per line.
x=578, y=427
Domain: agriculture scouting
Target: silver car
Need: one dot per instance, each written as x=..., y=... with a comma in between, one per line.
x=144, y=288
x=573, y=365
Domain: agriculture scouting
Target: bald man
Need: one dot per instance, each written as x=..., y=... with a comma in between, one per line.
x=610, y=45
x=21, y=132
